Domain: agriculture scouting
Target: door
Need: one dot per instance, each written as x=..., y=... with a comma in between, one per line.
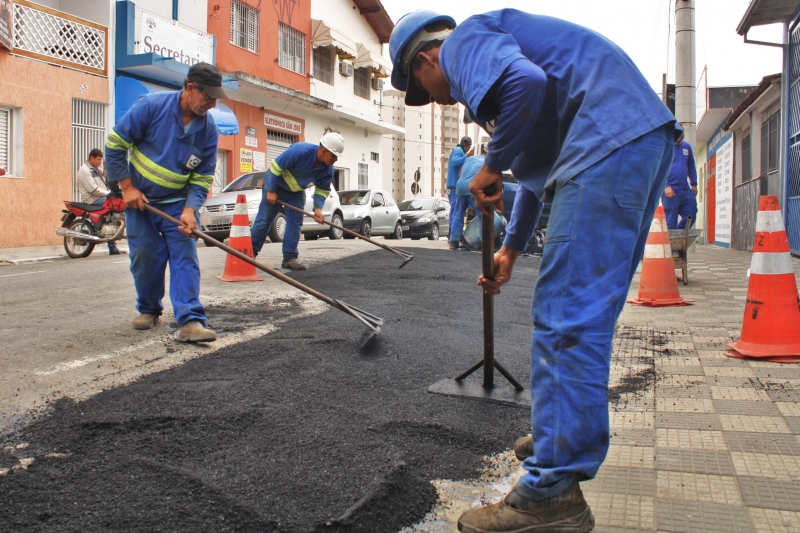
x=443, y=216
x=380, y=214
x=88, y=132
x=711, y=208
x=220, y=172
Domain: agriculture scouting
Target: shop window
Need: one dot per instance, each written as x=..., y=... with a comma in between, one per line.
x=363, y=175
x=291, y=49
x=770, y=147
x=244, y=26
x=323, y=64
x=361, y=83
x=747, y=165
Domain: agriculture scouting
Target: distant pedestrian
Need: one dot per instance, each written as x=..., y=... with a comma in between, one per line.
x=290, y=174
x=457, y=158
x=573, y=118
x=680, y=194
x=464, y=198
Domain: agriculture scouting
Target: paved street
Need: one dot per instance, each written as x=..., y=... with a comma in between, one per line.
x=700, y=442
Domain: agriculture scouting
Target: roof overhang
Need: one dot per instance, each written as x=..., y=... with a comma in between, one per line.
x=366, y=58
x=766, y=83
x=763, y=12
x=377, y=17
x=323, y=34
x=259, y=92
x=711, y=121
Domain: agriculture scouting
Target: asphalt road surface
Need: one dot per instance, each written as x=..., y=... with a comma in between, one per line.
x=289, y=430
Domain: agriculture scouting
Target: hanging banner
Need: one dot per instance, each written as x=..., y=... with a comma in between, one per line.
x=170, y=39
x=259, y=161
x=724, y=213
x=245, y=160
x=7, y=24
x=275, y=122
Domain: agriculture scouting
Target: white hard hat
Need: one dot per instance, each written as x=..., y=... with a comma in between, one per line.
x=333, y=142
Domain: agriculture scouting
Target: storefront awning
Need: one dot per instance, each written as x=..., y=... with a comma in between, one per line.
x=128, y=90
x=366, y=58
x=324, y=35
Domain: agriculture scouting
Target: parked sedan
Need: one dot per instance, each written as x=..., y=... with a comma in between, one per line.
x=425, y=217
x=371, y=212
x=217, y=212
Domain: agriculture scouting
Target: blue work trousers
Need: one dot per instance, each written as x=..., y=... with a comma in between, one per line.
x=683, y=204
x=455, y=228
x=153, y=243
x=596, y=234
x=294, y=221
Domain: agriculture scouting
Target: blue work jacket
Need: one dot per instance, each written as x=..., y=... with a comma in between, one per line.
x=296, y=169
x=454, y=164
x=555, y=97
x=167, y=162
x=682, y=167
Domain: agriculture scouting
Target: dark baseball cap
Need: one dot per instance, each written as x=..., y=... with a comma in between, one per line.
x=207, y=78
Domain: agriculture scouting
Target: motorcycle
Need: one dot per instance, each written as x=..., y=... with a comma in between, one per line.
x=83, y=226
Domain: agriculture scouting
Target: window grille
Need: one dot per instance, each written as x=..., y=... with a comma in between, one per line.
x=323, y=64
x=770, y=147
x=277, y=143
x=5, y=140
x=363, y=175
x=291, y=49
x=244, y=26
x=747, y=166
x=88, y=132
x=361, y=83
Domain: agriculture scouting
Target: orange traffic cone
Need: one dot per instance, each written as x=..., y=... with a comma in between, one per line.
x=235, y=268
x=771, y=325
x=658, y=286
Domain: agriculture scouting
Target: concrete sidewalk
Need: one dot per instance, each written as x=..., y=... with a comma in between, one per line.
x=699, y=441
x=36, y=254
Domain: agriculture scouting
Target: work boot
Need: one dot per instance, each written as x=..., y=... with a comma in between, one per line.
x=145, y=321
x=293, y=264
x=452, y=245
x=112, y=249
x=523, y=448
x=566, y=513
x=194, y=331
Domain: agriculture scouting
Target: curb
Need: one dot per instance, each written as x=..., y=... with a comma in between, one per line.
x=31, y=260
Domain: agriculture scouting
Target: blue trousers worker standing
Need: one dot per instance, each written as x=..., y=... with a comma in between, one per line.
x=454, y=164
x=680, y=192
x=547, y=91
x=294, y=222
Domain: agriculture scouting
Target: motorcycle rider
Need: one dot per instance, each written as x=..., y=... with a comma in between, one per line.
x=92, y=188
x=173, y=145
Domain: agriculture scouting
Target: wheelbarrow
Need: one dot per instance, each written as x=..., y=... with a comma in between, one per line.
x=680, y=240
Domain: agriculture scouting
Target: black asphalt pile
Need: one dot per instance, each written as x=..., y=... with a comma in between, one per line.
x=296, y=431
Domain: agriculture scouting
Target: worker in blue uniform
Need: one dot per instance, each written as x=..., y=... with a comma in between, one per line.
x=301, y=166
x=172, y=143
x=457, y=159
x=464, y=198
x=680, y=194
x=573, y=118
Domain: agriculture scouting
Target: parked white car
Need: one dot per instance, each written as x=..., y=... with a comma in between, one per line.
x=217, y=212
x=371, y=212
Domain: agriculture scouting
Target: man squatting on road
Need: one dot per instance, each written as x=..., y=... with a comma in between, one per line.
x=454, y=164
x=173, y=146
x=290, y=174
x=680, y=194
x=578, y=125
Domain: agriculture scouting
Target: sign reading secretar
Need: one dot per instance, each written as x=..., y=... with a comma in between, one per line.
x=168, y=38
x=274, y=122
x=7, y=24
x=724, y=213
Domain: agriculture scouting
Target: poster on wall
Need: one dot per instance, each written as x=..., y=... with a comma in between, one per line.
x=245, y=160
x=170, y=39
x=251, y=137
x=6, y=24
x=724, y=214
x=259, y=161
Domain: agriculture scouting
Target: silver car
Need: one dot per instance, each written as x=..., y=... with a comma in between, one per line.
x=217, y=212
x=371, y=212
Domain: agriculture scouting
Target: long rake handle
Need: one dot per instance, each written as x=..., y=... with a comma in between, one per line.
x=294, y=283
x=404, y=255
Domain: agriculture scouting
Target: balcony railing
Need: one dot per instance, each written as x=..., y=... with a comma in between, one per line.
x=56, y=37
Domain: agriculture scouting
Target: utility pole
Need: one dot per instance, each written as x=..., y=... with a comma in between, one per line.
x=685, y=70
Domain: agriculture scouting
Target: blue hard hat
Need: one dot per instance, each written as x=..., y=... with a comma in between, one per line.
x=404, y=31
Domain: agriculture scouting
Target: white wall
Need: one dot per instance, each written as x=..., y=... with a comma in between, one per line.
x=193, y=13
x=94, y=10
x=357, y=149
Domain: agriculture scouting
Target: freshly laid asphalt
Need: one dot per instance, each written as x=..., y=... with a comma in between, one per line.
x=296, y=431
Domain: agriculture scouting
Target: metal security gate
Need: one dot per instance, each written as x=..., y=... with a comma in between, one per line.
x=88, y=132
x=277, y=143
x=792, y=202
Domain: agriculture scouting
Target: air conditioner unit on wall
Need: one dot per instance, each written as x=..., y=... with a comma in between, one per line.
x=377, y=84
x=346, y=68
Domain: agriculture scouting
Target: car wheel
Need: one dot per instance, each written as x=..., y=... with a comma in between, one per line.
x=278, y=229
x=336, y=233
x=434, y=236
x=310, y=236
x=366, y=228
x=397, y=233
